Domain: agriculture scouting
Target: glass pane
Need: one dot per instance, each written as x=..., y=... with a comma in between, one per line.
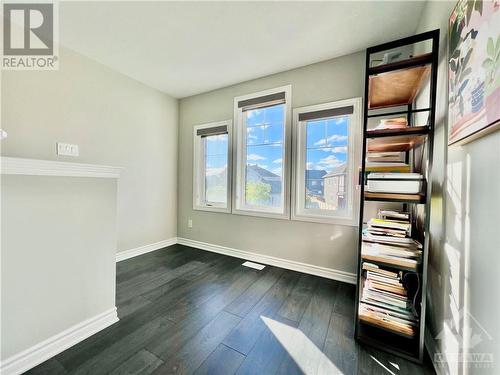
x=255, y=135
x=336, y=131
x=316, y=134
x=326, y=164
x=216, y=148
x=274, y=133
x=264, y=161
x=255, y=117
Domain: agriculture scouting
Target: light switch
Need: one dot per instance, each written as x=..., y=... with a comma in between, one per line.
x=67, y=149
x=190, y=223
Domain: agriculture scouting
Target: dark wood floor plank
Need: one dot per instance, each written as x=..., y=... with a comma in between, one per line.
x=244, y=303
x=141, y=363
x=49, y=367
x=127, y=269
x=198, y=348
x=114, y=355
x=189, y=310
x=299, y=298
x=345, y=303
x=164, y=345
x=151, y=280
x=340, y=350
x=222, y=361
x=244, y=336
x=131, y=305
x=305, y=350
x=270, y=349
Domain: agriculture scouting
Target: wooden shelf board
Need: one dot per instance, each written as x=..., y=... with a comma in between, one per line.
x=410, y=130
x=395, y=197
x=397, y=87
x=394, y=346
x=395, y=143
x=365, y=320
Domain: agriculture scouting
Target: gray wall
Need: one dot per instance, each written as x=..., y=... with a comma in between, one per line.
x=58, y=255
x=465, y=230
x=331, y=246
x=116, y=121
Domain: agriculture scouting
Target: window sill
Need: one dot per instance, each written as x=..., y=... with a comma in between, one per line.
x=345, y=221
x=223, y=210
x=269, y=215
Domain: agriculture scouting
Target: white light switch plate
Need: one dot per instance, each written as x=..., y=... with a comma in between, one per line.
x=67, y=149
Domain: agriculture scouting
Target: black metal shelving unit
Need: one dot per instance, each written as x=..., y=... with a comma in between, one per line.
x=407, y=141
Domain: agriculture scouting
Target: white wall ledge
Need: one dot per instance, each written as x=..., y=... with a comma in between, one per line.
x=36, y=167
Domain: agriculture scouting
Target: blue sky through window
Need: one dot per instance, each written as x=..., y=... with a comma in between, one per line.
x=326, y=143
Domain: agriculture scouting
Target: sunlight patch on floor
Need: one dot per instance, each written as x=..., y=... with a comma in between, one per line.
x=384, y=366
x=300, y=348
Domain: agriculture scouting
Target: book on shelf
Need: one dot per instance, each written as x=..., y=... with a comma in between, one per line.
x=392, y=123
x=384, y=157
x=394, y=215
x=387, y=167
x=385, y=301
x=390, y=182
x=399, y=225
x=383, y=320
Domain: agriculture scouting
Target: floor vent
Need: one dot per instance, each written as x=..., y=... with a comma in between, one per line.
x=253, y=265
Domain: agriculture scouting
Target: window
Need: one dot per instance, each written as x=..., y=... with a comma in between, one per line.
x=262, y=153
x=211, y=179
x=327, y=158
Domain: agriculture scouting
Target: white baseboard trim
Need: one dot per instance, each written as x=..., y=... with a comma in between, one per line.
x=432, y=348
x=122, y=255
x=31, y=357
x=328, y=273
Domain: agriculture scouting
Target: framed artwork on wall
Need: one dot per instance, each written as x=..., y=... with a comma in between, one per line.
x=473, y=68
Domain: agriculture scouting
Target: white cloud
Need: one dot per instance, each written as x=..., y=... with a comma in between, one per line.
x=277, y=171
x=330, y=161
x=255, y=157
x=254, y=112
x=215, y=171
x=331, y=139
x=278, y=161
x=339, y=150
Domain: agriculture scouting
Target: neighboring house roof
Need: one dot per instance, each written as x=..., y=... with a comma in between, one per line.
x=258, y=174
x=315, y=174
x=337, y=171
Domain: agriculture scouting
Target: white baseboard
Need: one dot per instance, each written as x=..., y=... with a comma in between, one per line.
x=31, y=357
x=122, y=255
x=432, y=348
x=328, y=273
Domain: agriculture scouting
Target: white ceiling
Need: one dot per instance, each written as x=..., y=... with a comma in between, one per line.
x=185, y=48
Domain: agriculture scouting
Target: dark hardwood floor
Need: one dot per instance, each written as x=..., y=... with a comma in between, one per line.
x=187, y=311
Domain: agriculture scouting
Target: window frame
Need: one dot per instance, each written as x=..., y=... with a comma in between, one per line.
x=299, y=212
x=199, y=169
x=239, y=165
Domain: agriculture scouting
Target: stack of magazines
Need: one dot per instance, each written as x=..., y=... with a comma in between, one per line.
x=387, y=240
x=385, y=301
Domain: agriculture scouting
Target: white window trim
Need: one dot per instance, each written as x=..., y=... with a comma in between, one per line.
x=198, y=162
x=238, y=156
x=299, y=213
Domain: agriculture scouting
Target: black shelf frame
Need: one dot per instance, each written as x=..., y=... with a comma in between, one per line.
x=412, y=349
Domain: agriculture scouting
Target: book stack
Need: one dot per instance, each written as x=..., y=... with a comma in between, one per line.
x=393, y=123
x=387, y=239
x=385, y=302
x=383, y=157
